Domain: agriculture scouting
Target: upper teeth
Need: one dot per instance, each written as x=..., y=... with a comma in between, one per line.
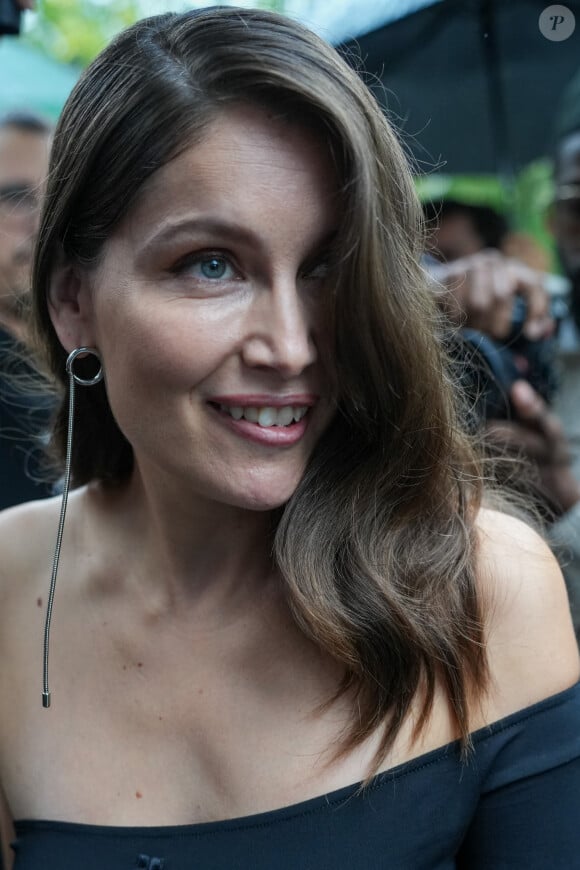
x=267, y=416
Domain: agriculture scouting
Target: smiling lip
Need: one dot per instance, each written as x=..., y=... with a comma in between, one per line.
x=263, y=400
x=273, y=436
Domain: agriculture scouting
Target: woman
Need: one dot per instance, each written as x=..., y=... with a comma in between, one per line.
x=277, y=581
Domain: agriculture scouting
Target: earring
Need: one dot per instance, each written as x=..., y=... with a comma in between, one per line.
x=73, y=379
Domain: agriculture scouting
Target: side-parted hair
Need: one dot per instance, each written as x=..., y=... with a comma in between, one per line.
x=376, y=547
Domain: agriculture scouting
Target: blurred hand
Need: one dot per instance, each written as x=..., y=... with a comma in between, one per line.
x=526, y=249
x=539, y=435
x=479, y=292
x=26, y=4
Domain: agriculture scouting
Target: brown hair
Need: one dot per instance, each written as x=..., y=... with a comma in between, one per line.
x=376, y=546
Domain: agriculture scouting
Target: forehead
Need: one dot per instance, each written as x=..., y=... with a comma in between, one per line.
x=568, y=160
x=23, y=155
x=248, y=157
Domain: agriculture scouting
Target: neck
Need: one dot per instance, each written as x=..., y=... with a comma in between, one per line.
x=182, y=552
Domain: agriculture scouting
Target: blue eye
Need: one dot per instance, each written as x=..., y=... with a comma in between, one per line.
x=207, y=266
x=213, y=267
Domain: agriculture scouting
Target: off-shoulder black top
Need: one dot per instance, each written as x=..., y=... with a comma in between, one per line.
x=515, y=805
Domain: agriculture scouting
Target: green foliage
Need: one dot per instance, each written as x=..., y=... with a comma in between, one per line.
x=472, y=189
x=273, y=5
x=74, y=31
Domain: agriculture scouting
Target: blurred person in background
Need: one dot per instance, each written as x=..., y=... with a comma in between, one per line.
x=24, y=147
x=458, y=229
x=487, y=272
x=565, y=224
x=485, y=267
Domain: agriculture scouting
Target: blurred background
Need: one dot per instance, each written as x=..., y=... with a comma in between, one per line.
x=472, y=85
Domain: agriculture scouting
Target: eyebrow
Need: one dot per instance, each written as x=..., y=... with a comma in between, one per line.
x=201, y=226
x=218, y=227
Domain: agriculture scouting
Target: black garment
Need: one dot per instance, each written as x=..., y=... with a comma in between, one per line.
x=514, y=806
x=23, y=416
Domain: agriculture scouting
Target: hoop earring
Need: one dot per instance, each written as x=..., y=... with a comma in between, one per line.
x=72, y=381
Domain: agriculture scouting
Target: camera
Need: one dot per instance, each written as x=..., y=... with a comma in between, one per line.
x=487, y=368
x=10, y=16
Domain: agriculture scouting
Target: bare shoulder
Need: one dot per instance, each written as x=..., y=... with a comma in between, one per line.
x=531, y=644
x=26, y=533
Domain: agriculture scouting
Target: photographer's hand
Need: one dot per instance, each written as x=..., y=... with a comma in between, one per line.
x=538, y=433
x=479, y=292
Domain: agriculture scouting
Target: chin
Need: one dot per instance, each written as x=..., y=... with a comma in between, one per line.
x=263, y=497
x=261, y=504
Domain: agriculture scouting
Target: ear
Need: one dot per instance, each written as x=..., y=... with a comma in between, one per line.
x=70, y=307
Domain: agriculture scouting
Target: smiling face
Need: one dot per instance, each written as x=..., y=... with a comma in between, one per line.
x=208, y=309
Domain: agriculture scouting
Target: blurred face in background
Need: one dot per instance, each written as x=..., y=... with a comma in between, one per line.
x=23, y=167
x=455, y=236
x=566, y=218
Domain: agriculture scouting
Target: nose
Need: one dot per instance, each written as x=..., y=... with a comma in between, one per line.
x=281, y=330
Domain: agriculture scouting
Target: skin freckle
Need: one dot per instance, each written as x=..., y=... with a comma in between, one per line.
x=39, y=602
x=138, y=795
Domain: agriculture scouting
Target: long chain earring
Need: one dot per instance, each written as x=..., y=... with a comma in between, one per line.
x=72, y=381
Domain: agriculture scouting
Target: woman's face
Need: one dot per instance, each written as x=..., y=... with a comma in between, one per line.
x=208, y=309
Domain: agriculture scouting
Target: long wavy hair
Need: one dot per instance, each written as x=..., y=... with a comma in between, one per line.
x=376, y=547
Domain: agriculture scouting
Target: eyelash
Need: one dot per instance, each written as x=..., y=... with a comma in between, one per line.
x=197, y=259
x=321, y=263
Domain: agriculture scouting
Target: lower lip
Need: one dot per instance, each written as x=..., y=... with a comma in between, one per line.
x=273, y=436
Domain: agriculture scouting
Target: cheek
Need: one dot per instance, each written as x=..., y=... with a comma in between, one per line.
x=154, y=354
